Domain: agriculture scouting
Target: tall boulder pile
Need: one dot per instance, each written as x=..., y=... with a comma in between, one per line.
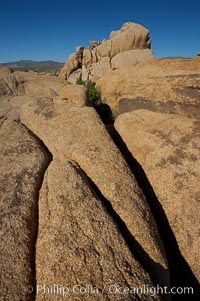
x=127, y=46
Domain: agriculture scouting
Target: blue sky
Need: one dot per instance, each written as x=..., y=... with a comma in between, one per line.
x=50, y=30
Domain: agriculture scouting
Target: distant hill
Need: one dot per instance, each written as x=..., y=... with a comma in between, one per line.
x=28, y=64
x=175, y=57
x=42, y=67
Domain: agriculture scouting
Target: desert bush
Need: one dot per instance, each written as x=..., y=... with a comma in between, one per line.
x=94, y=100
x=80, y=82
x=93, y=96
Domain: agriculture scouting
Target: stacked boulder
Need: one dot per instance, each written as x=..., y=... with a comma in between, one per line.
x=197, y=55
x=125, y=47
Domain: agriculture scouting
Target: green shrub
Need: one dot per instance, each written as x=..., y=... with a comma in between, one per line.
x=80, y=82
x=94, y=100
x=93, y=96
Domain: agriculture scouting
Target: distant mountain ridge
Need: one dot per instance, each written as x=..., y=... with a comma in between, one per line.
x=32, y=64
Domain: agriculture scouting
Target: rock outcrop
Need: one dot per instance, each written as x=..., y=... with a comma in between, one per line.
x=23, y=162
x=197, y=56
x=83, y=138
x=167, y=147
x=35, y=85
x=126, y=47
x=74, y=93
x=18, y=88
x=79, y=243
x=20, y=83
x=81, y=208
x=162, y=85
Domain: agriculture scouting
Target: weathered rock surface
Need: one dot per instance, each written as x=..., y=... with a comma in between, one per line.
x=79, y=243
x=131, y=58
x=130, y=36
x=128, y=46
x=8, y=83
x=20, y=83
x=10, y=103
x=96, y=69
x=32, y=84
x=167, y=147
x=19, y=88
x=23, y=162
x=161, y=85
x=71, y=65
x=75, y=93
x=82, y=137
x=74, y=76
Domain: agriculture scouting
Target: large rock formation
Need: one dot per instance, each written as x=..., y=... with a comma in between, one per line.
x=20, y=83
x=35, y=85
x=82, y=137
x=126, y=47
x=23, y=162
x=162, y=85
x=165, y=85
x=79, y=243
x=98, y=221
x=17, y=88
x=167, y=147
